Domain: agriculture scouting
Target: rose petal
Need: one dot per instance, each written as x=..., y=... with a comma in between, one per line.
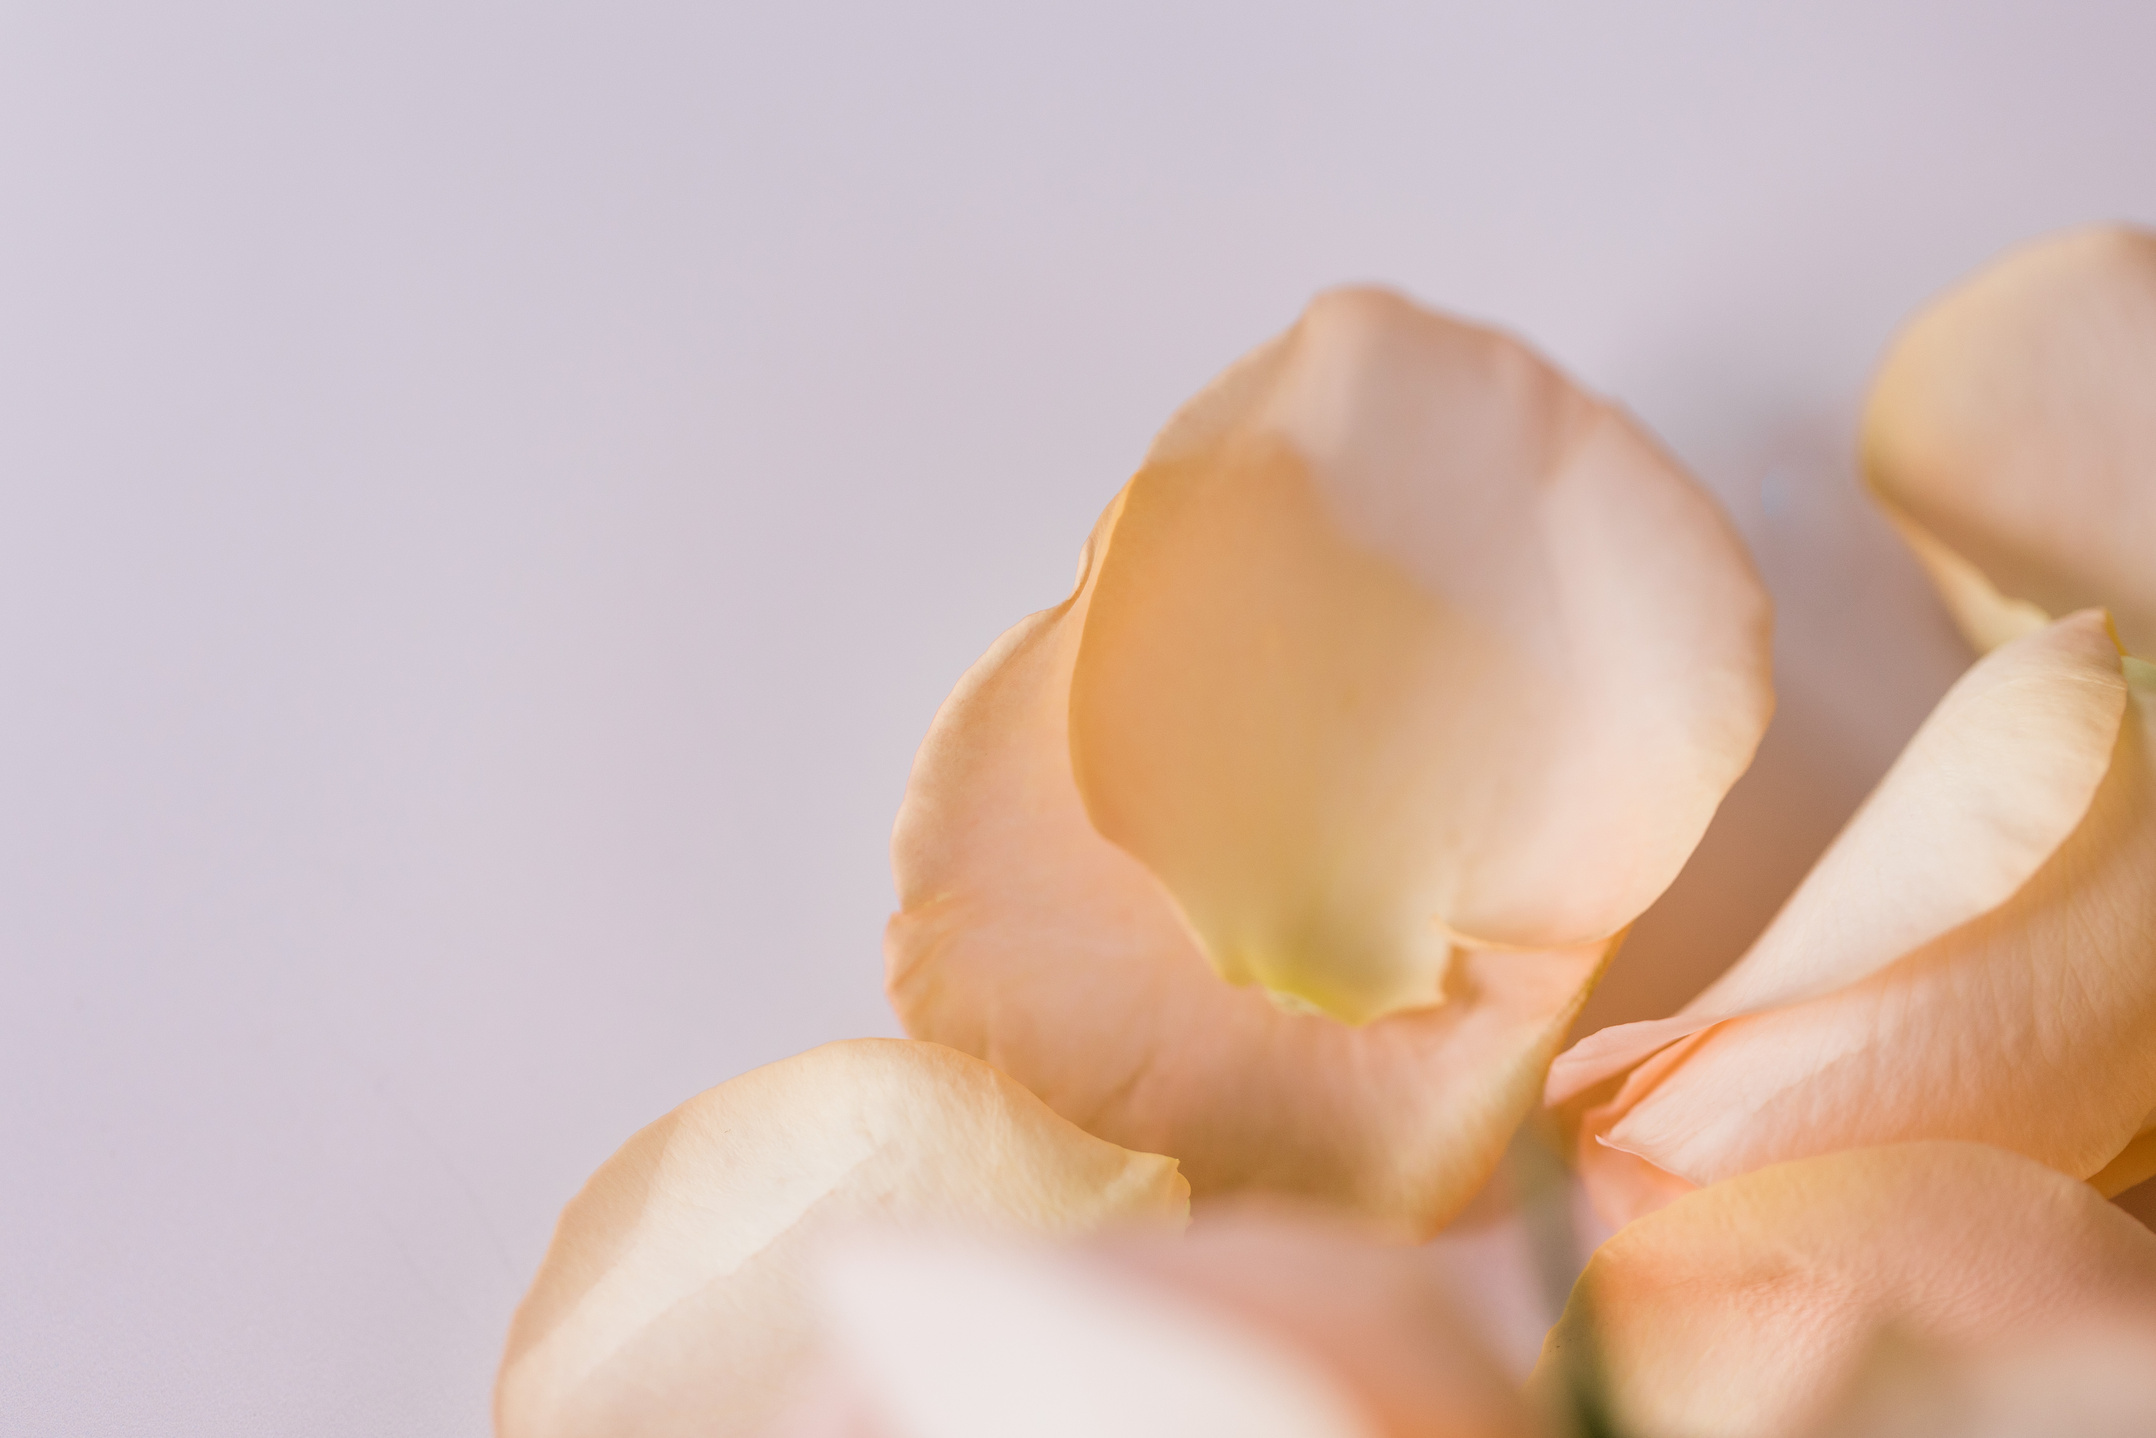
x=1378, y=1318
x=2133, y=1165
x=2024, y=1025
x=2027, y=1027
x=1402, y=642
x=2094, y=1379
x=1984, y=794
x=1028, y=939
x=1265, y=1326
x=1739, y=1310
x=2139, y=1201
x=673, y=1300
x=1412, y=674
x=2012, y=431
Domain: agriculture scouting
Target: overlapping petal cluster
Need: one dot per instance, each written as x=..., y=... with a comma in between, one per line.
x=1272, y=866
x=1401, y=678
x=1970, y=959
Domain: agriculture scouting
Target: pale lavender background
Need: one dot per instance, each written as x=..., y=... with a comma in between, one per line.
x=490, y=497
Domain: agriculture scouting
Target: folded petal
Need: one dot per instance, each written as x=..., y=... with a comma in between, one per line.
x=1974, y=958
x=1263, y=1328
x=1030, y=940
x=673, y=1299
x=1740, y=1310
x=1401, y=641
x=2140, y=1202
x=1986, y=791
x=2012, y=434
x=1398, y=681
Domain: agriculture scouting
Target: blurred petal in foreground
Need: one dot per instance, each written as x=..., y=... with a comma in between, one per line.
x=1261, y=1326
x=2012, y=434
x=1741, y=1310
x=1974, y=958
x=1398, y=681
x=675, y=1298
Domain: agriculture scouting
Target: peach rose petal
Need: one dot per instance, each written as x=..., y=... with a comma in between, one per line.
x=674, y=1298
x=2134, y=1164
x=1985, y=792
x=2140, y=1202
x=1261, y=1327
x=2012, y=434
x=1400, y=679
x=1030, y=940
x=1972, y=959
x=2094, y=1378
x=1401, y=642
x=1740, y=1311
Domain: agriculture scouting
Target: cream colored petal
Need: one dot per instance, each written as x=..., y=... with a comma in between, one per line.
x=2014, y=426
x=1400, y=640
x=2028, y=1027
x=674, y=1298
x=1985, y=793
x=1028, y=939
x=1262, y=1326
x=1739, y=1310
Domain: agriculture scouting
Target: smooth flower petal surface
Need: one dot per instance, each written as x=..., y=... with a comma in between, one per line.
x=1740, y=1310
x=674, y=1298
x=1968, y=960
x=2012, y=431
x=1030, y=940
x=2096, y=1378
x=1397, y=682
x=1255, y=1325
x=1400, y=641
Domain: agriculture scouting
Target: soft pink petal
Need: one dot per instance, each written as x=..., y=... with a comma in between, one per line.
x=674, y=1299
x=1741, y=1310
x=966, y=1341
x=2012, y=431
x=1266, y=1325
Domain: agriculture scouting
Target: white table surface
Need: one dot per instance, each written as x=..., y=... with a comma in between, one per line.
x=490, y=497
